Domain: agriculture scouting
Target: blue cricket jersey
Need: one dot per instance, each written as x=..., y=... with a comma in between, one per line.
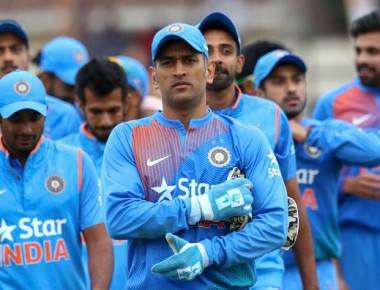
x=44, y=207
x=150, y=169
x=94, y=148
x=359, y=105
x=272, y=121
x=330, y=145
x=62, y=119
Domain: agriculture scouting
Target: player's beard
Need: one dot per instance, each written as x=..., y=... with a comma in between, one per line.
x=222, y=79
x=373, y=81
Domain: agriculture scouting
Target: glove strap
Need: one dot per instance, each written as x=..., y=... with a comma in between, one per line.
x=206, y=209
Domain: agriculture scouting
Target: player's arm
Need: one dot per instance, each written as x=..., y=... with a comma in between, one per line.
x=129, y=215
x=303, y=248
x=100, y=256
x=99, y=244
x=349, y=144
x=268, y=228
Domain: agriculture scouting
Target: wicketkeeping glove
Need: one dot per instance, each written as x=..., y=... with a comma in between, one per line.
x=293, y=224
x=225, y=200
x=189, y=260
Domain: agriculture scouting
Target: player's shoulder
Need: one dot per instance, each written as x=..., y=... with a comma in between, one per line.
x=71, y=139
x=58, y=106
x=336, y=91
x=238, y=126
x=258, y=102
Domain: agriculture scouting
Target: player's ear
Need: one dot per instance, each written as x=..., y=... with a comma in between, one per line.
x=240, y=63
x=210, y=71
x=153, y=77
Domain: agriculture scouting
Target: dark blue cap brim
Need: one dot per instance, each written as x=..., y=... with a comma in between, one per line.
x=14, y=29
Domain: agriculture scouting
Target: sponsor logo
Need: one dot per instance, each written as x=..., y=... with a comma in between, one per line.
x=273, y=171
x=55, y=184
x=164, y=190
x=219, y=156
x=359, y=120
x=43, y=248
x=306, y=176
x=150, y=163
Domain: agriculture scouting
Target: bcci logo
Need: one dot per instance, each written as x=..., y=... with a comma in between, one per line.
x=312, y=151
x=22, y=88
x=219, y=156
x=175, y=28
x=79, y=57
x=55, y=184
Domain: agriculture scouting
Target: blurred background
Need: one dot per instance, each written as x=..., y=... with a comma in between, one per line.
x=316, y=30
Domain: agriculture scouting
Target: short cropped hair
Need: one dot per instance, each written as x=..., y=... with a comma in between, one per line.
x=367, y=23
x=101, y=75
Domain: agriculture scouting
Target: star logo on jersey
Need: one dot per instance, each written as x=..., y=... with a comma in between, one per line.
x=165, y=190
x=5, y=231
x=272, y=158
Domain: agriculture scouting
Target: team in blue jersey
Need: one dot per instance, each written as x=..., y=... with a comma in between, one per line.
x=155, y=170
x=322, y=148
x=358, y=102
x=102, y=104
x=225, y=98
x=50, y=195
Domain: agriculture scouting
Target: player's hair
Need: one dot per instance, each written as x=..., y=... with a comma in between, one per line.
x=367, y=23
x=252, y=52
x=101, y=75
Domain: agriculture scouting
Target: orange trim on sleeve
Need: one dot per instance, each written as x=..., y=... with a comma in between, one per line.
x=80, y=170
x=278, y=110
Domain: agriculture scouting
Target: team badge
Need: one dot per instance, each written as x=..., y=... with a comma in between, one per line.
x=175, y=28
x=79, y=57
x=219, y=156
x=22, y=88
x=55, y=184
x=280, y=53
x=312, y=151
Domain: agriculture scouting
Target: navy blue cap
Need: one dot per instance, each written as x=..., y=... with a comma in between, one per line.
x=13, y=27
x=220, y=21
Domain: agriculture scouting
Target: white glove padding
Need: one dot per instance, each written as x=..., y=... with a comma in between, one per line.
x=189, y=259
x=293, y=224
x=228, y=199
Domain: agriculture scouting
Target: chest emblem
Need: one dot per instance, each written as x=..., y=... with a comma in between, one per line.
x=55, y=184
x=219, y=156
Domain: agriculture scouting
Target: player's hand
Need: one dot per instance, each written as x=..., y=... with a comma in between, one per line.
x=299, y=133
x=365, y=185
x=189, y=260
x=227, y=199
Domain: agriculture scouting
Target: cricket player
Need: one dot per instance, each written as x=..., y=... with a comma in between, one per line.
x=103, y=105
x=225, y=98
x=164, y=181
x=322, y=148
x=49, y=195
x=358, y=102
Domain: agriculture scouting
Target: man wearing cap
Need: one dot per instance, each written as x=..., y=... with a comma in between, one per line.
x=60, y=60
x=49, y=195
x=61, y=119
x=322, y=148
x=102, y=104
x=164, y=181
x=225, y=98
x=138, y=81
